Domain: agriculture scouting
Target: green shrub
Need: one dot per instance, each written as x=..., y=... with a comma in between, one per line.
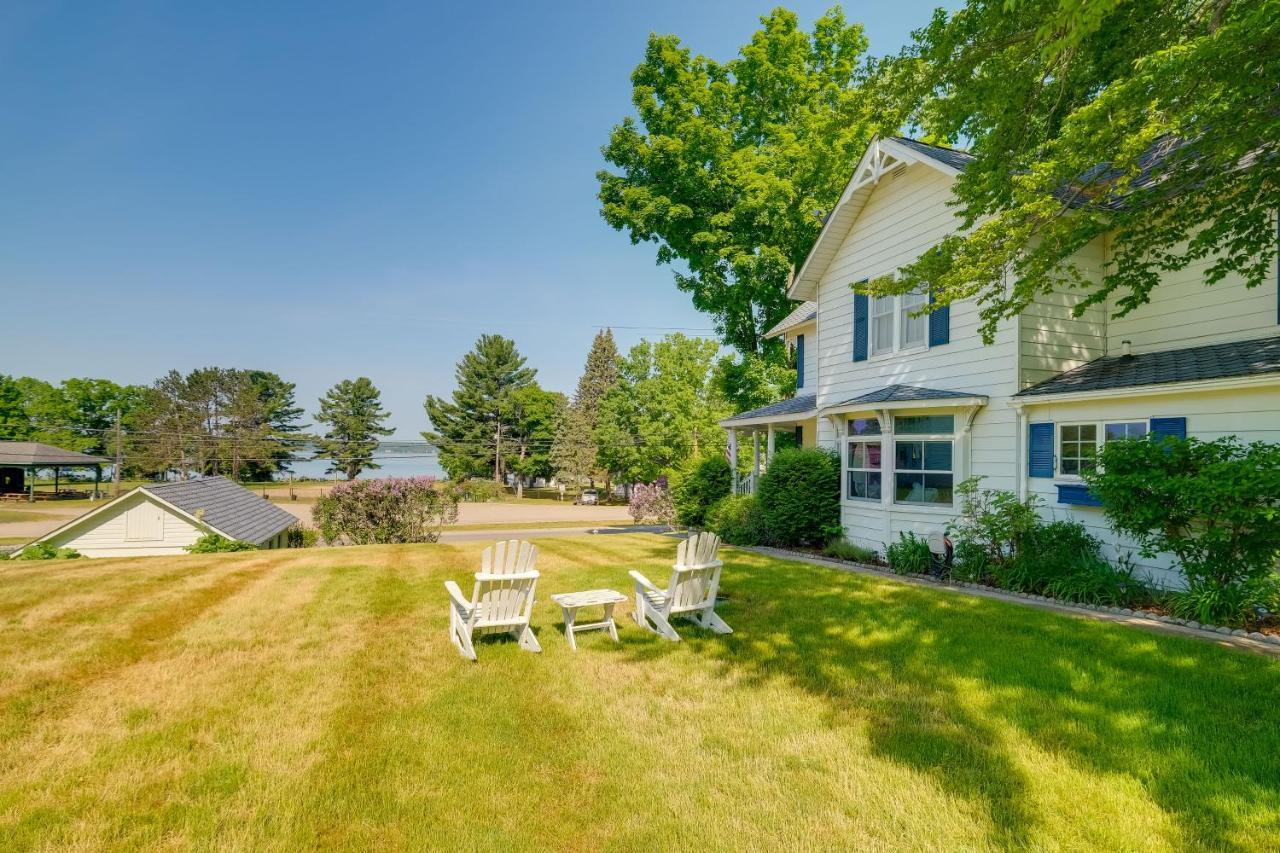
x=1047, y=553
x=302, y=537
x=477, y=490
x=1213, y=505
x=46, y=551
x=800, y=496
x=708, y=482
x=1227, y=604
x=843, y=549
x=1093, y=580
x=910, y=555
x=971, y=562
x=992, y=521
x=212, y=543
x=737, y=520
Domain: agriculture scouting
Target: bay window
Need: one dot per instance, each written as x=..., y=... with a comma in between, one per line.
x=863, y=460
x=923, y=459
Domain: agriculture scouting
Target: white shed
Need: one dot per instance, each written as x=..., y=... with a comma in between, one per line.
x=165, y=518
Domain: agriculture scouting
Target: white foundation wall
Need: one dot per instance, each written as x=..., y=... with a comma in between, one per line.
x=1251, y=414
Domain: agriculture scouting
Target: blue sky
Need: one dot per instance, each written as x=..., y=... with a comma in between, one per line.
x=331, y=190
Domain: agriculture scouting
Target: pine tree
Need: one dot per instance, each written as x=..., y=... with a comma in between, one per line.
x=353, y=411
x=469, y=432
x=575, y=451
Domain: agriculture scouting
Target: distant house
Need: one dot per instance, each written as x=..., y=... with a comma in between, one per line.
x=167, y=517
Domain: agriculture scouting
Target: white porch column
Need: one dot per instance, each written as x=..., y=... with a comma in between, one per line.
x=733, y=458
x=768, y=457
x=755, y=459
x=1020, y=455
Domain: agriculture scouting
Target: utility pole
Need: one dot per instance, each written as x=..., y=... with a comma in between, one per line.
x=115, y=469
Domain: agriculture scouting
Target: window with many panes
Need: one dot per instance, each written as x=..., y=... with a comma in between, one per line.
x=863, y=463
x=893, y=327
x=1078, y=444
x=923, y=459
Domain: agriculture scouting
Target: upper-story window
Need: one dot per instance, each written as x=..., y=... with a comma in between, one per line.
x=893, y=327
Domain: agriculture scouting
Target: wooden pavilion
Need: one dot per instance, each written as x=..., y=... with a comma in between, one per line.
x=19, y=461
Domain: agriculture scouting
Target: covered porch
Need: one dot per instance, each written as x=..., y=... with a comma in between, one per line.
x=20, y=460
x=796, y=417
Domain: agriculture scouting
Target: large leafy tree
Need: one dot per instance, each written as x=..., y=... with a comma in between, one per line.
x=664, y=412
x=15, y=424
x=533, y=415
x=574, y=453
x=730, y=166
x=352, y=411
x=470, y=429
x=1152, y=121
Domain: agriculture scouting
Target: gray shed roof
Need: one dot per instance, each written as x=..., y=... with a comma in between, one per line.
x=24, y=453
x=1193, y=364
x=793, y=406
x=226, y=506
x=906, y=394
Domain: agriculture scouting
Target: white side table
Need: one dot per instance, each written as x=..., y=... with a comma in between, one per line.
x=571, y=602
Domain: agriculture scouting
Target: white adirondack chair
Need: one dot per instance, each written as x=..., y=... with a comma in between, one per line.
x=691, y=592
x=501, y=601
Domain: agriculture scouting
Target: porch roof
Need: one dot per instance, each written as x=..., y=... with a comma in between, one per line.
x=793, y=409
x=907, y=396
x=34, y=454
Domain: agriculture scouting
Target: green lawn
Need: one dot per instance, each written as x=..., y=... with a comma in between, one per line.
x=302, y=699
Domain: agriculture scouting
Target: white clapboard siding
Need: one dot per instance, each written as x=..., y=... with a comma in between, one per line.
x=110, y=533
x=1052, y=339
x=1251, y=414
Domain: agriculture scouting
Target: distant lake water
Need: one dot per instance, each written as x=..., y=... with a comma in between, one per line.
x=395, y=459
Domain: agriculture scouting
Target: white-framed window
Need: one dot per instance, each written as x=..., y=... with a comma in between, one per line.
x=914, y=330
x=923, y=459
x=883, y=309
x=1079, y=443
x=892, y=326
x=864, y=464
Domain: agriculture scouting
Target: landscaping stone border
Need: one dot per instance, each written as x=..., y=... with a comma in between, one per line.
x=1255, y=641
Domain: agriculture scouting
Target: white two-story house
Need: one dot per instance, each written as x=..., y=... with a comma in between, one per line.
x=914, y=405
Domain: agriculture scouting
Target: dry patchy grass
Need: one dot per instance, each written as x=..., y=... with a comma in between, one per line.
x=301, y=699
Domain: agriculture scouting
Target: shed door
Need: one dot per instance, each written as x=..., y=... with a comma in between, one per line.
x=144, y=522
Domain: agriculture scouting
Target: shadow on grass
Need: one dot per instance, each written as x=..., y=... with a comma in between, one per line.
x=943, y=682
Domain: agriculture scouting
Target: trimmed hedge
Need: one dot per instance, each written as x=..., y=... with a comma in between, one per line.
x=800, y=496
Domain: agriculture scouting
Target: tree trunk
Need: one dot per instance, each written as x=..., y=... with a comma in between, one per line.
x=497, y=455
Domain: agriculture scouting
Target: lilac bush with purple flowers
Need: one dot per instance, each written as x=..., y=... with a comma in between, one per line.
x=393, y=510
x=651, y=502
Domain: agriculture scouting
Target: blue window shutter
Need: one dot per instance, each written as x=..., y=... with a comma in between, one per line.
x=799, y=361
x=939, y=325
x=859, y=326
x=1161, y=427
x=1040, y=450
x=800, y=436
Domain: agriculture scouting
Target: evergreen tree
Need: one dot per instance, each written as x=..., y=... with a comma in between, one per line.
x=574, y=454
x=353, y=411
x=470, y=431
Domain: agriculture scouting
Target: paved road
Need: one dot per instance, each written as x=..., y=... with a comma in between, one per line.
x=535, y=533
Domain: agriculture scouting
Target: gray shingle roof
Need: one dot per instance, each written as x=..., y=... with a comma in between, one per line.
x=793, y=406
x=227, y=506
x=952, y=157
x=905, y=394
x=1193, y=364
x=34, y=453
x=803, y=313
